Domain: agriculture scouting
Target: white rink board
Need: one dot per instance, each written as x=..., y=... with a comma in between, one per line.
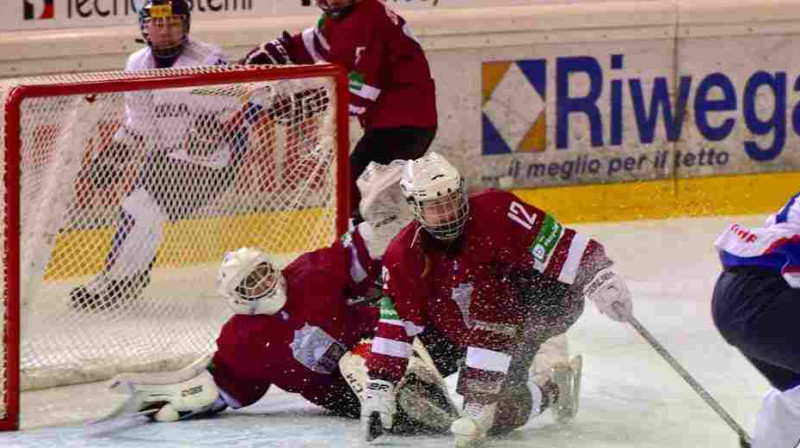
x=630, y=397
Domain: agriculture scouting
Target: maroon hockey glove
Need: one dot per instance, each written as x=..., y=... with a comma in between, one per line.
x=276, y=52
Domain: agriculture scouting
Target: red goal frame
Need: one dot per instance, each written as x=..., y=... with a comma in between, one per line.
x=11, y=177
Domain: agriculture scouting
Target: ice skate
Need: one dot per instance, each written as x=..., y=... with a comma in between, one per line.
x=471, y=429
x=567, y=377
x=108, y=294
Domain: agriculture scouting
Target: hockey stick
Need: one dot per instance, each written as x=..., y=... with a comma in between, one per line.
x=744, y=438
x=128, y=409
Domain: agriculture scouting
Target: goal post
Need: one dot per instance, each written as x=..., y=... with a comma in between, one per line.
x=123, y=191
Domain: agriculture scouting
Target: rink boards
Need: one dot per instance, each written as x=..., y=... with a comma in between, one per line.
x=671, y=198
x=199, y=241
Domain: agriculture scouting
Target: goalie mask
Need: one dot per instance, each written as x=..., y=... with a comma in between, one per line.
x=251, y=282
x=336, y=9
x=165, y=26
x=437, y=194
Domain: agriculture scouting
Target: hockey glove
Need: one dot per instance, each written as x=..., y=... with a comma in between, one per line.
x=607, y=288
x=276, y=52
x=378, y=408
x=296, y=107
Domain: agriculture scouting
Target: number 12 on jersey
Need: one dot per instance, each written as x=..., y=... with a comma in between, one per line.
x=518, y=214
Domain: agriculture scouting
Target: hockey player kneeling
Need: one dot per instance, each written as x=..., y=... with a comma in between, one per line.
x=299, y=331
x=487, y=278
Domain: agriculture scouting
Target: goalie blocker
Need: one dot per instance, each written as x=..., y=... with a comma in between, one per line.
x=421, y=400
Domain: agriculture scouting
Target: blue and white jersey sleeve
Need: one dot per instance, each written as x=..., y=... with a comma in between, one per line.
x=775, y=247
x=184, y=122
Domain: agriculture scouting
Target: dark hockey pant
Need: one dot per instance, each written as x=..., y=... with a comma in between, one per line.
x=757, y=312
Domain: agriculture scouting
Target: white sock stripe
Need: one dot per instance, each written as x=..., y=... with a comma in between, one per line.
x=395, y=322
x=485, y=359
x=574, y=257
x=308, y=41
x=390, y=347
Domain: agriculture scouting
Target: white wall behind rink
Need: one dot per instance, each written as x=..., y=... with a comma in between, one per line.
x=656, y=37
x=33, y=52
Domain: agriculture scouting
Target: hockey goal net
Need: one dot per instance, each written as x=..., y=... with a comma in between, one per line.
x=122, y=192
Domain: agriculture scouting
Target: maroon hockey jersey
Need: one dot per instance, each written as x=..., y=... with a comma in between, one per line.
x=469, y=290
x=390, y=80
x=298, y=348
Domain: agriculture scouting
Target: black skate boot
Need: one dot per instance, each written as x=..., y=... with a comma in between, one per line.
x=112, y=295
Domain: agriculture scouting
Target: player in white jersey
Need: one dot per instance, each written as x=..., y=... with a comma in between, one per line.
x=756, y=303
x=193, y=145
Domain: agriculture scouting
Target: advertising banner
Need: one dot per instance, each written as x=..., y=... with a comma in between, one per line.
x=49, y=14
x=611, y=112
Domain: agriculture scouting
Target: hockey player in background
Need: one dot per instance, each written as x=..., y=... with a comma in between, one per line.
x=755, y=306
x=299, y=329
x=489, y=278
x=392, y=92
x=193, y=146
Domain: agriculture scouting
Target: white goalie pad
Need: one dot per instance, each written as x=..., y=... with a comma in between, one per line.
x=382, y=206
x=124, y=382
x=176, y=395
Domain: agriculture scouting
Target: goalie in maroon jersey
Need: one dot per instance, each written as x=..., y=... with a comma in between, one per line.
x=486, y=278
x=391, y=89
x=299, y=329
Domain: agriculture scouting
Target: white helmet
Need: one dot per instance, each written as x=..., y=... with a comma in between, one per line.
x=437, y=194
x=251, y=282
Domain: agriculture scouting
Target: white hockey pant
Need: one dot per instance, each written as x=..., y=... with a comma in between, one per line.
x=778, y=420
x=138, y=237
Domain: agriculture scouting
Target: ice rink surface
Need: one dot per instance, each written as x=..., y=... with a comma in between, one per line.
x=630, y=397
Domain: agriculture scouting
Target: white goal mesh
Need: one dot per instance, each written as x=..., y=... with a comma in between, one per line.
x=131, y=187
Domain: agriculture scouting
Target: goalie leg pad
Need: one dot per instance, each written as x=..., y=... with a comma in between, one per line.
x=176, y=395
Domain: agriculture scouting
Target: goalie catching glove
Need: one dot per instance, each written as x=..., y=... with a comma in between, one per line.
x=606, y=289
x=171, y=396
